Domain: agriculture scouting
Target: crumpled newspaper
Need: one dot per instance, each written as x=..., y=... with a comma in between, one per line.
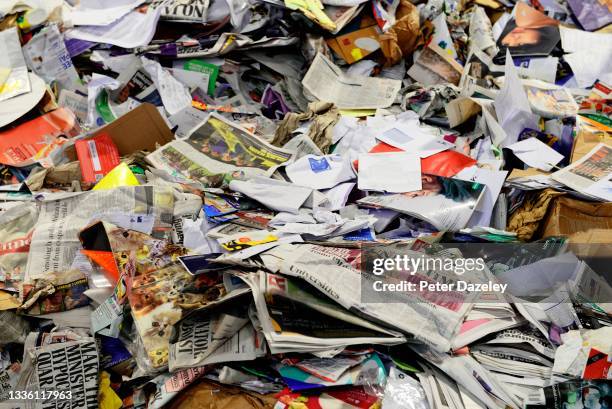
x=324, y=116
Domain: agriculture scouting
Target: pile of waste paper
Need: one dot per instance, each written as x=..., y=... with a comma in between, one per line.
x=306, y=204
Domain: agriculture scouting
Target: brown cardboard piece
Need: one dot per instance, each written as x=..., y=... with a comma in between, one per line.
x=595, y=245
x=588, y=134
x=584, y=142
x=569, y=216
x=597, y=236
x=140, y=129
x=8, y=301
x=404, y=36
x=524, y=173
x=208, y=395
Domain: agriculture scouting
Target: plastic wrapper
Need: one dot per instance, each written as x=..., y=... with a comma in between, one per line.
x=307, y=375
x=403, y=392
x=120, y=175
x=351, y=398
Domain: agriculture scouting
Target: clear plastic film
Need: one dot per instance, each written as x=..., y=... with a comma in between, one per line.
x=403, y=392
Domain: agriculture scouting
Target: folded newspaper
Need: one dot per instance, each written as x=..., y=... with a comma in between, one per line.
x=218, y=146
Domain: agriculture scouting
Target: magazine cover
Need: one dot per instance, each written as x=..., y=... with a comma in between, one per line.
x=446, y=203
x=158, y=300
x=479, y=73
x=529, y=33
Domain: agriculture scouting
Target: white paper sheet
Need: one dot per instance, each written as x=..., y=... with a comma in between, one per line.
x=274, y=194
x=394, y=172
x=494, y=180
x=320, y=172
x=194, y=236
x=362, y=68
x=174, y=95
x=99, y=12
x=544, y=69
x=536, y=154
x=601, y=188
x=512, y=106
x=590, y=55
x=192, y=79
x=543, y=275
x=338, y=195
x=411, y=138
x=133, y=30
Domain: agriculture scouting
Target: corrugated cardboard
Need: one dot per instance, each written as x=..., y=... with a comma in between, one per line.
x=139, y=129
x=569, y=216
x=592, y=236
x=593, y=246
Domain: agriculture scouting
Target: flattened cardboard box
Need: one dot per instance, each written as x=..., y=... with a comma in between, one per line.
x=570, y=216
x=139, y=129
x=585, y=141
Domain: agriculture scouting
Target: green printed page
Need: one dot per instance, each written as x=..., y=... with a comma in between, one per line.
x=200, y=66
